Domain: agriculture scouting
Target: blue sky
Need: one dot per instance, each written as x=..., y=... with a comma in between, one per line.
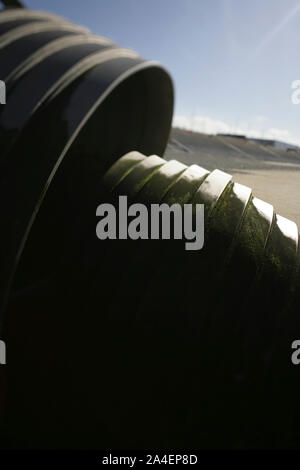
x=232, y=61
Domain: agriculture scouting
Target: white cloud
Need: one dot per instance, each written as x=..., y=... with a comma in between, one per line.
x=209, y=125
x=278, y=134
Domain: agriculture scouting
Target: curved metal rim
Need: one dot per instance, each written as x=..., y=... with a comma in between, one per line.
x=134, y=70
x=128, y=73
x=33, y=28
x=74, y=72
x=12, y=14
x=54, y=46
x=81, y=67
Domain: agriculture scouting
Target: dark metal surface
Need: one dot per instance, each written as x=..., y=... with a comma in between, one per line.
x=67, y=94
x=24, y=52
x=210, y=328
x=51, y=69
x=13, y=3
